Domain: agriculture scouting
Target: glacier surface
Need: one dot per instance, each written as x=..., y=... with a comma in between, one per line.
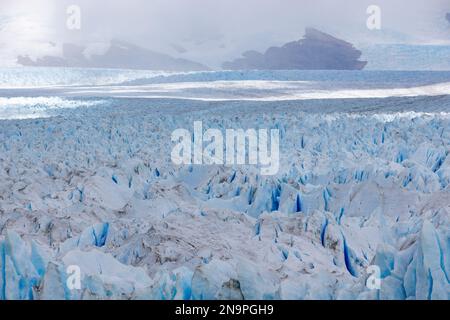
x=362, y=182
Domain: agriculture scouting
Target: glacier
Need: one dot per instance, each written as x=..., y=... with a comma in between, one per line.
x=87, y=181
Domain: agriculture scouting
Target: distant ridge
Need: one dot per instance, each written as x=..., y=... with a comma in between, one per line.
x=120, y=55
x=316, y=51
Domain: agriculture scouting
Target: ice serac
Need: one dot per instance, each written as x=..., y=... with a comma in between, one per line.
x=93, y=236
x=21, y=267
x=103, y=277
x=216, y=280
x=418, y=270
x=427, y=276
x=316, y=51
x=177, y=285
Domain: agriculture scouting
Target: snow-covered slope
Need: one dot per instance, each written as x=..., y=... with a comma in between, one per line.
x=362, y=182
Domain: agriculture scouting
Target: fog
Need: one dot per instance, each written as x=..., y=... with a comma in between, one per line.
x=212, y=31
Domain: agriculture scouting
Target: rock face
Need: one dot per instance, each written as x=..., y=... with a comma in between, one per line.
x=316, y=51
x=448, y=17
x=120, y=55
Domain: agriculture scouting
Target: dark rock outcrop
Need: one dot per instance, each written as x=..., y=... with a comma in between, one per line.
x=448, y=17
x=316, y=51
x=120, y=54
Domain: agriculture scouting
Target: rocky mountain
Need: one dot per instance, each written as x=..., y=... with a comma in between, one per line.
x=316, y=51
x=120, y=54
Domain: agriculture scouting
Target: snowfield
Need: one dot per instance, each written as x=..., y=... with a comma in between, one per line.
x=362, y=182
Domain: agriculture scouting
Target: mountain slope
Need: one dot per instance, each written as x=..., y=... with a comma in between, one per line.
x=316, y=51
x=121, y=55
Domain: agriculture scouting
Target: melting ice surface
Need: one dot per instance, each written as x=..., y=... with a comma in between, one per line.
x=87, y=180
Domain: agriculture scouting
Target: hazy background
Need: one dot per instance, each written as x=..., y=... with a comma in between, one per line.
x=213, y=31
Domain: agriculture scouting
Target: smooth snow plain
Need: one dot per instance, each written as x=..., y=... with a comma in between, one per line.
x=87, y=180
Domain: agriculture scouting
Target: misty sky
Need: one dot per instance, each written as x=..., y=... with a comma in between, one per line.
x=212, y=31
